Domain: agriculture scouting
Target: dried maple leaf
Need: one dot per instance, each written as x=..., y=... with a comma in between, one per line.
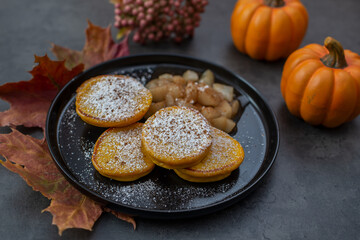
x=30, y=158
x=74, y=210
x=30, y=100
x=121, y=216
x=99, y=47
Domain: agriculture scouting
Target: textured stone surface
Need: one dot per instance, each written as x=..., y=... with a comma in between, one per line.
x=312, y=191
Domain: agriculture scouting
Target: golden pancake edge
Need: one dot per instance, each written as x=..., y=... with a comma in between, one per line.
x=117, y=154
x=225, y=155
x=112, y=101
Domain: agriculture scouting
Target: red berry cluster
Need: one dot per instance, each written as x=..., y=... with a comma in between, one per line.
x=153, y=20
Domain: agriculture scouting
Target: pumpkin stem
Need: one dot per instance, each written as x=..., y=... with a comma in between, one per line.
x=336, y=56
x=274, y=3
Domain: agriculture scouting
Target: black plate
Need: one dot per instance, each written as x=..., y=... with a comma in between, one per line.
x=162, y=194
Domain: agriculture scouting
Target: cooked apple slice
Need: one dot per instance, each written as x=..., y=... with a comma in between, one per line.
x=225, y=90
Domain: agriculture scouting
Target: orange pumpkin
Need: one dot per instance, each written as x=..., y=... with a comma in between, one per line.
x=321, y=84
x=268, y=29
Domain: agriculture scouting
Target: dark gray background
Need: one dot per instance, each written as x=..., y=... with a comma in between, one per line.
x=312, y=191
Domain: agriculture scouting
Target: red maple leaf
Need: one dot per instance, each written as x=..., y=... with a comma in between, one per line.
x=99, y=47
x=30, y=100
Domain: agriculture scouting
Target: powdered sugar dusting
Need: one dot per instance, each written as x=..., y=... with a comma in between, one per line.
x=177, y=131
x=113, y=98
x=122, y=150
x=143, y=74
x=151, y=193
x=87, y=147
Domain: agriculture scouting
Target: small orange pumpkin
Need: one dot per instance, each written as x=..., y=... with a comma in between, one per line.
x=321, y=84
x=268, y=29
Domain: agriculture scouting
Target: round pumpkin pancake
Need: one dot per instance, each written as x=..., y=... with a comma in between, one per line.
x=225, y=155
x=117, y=154
x=176, y=137
x=112, y=101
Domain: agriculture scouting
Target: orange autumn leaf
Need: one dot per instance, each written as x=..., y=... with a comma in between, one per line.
x=30, y=100
x=99, y=47
x=74, y=210
x=30, y=158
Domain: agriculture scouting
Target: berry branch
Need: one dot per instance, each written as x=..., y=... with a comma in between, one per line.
x=154, y=20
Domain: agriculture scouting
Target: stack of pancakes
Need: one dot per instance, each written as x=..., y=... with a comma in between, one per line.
x=177, y=138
